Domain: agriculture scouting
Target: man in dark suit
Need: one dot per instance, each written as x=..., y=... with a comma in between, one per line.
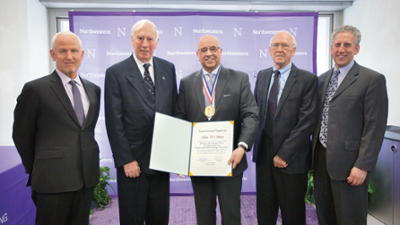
x=135, y=89
x=53, y=131
x=287, y=100
x=233, y=101
x=352, y=115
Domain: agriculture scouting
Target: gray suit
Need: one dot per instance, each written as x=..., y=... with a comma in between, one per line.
x=233, y=101
x=356, y=126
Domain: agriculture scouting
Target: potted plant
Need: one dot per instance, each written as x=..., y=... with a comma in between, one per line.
x=101, y=198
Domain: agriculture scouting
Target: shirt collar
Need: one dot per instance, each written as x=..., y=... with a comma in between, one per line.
x=140, y=63
x=214, y=71
x=66, y=79
x=345, y=70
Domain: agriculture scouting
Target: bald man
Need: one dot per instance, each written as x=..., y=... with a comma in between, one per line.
x=287, y=100
x=233, y=101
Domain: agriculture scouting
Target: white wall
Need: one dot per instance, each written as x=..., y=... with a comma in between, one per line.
x=24, y=47
x=379, y=23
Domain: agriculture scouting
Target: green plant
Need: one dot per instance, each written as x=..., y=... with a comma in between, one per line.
x=101, y=196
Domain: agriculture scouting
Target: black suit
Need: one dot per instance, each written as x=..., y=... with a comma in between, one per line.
x=293, y=125
x=58, y=153
x=356, y=127
x=233, y=101
x=129, y=111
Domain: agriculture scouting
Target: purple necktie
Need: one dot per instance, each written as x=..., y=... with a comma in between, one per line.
x=78, y=106
x=332, y=87
x=272, y=103
x=148, y=80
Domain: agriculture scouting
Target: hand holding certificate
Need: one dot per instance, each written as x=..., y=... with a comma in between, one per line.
x=198, y=149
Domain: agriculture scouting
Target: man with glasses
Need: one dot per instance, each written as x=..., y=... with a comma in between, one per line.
x=287, y=100
x=216, y=93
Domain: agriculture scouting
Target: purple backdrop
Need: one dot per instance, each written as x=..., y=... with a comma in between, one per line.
x=244, y=38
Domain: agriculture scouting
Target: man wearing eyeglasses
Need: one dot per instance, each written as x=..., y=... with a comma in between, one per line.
x=287, y=100
x=216, y=93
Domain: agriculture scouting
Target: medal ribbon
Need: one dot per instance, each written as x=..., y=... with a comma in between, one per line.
x=210, y=93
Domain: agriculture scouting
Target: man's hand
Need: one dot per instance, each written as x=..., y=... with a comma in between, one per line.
x=132, y=169
x=278, y=162
x=236, y=157
x=357, y=176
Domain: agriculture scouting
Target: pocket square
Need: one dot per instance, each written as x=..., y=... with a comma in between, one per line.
x=227, y=95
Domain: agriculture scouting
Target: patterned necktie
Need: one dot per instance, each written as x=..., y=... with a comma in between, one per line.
x=148, y=80
x=272, y=103
x=78, y=106
x=332, y=87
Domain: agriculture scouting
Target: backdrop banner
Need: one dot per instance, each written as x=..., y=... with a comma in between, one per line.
x=244, y=38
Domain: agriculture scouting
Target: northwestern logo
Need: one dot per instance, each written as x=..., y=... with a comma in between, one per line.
x=121, y=31
x=90, y=31
x=238, y=32
x=91, y=53
x=263, y=53
x=178, y=31
x=3, y=218
x=204, y=31
x=293, y=32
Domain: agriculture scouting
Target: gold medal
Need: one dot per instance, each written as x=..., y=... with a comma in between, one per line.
x=209, y=111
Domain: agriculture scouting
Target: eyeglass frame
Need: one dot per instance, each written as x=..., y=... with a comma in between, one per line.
x=205, y=49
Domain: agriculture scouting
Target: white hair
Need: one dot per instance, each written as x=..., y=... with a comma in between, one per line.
x=294, y=44
x=66, y=32
x=140, y=24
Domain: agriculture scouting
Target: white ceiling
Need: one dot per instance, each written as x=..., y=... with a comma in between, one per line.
x=203, y=5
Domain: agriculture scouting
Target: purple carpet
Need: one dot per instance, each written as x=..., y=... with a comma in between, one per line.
x=182, y=212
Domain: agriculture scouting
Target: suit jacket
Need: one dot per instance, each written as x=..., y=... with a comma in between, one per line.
x=233, y=101
x=357, y=121
x=294, y=120
x=57, y=152
x=130, y=108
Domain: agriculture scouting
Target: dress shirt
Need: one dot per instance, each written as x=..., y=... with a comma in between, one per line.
x=343, y=72
x=68, y=88
x=141, y=67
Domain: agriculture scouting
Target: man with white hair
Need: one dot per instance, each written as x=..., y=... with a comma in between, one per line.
x=287, y=100
x=53, y=131
x=135, y=89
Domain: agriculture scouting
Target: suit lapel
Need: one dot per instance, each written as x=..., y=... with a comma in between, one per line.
x=59, y=90
x=288, y=87
x=90, y=92
x=135, y=78
x=348, y=80
x=198, y=89
x=160, y=85
x=324, y=87
x=221, y=83
x=262, y=95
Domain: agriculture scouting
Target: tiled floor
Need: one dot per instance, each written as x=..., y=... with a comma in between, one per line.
x=372, y=221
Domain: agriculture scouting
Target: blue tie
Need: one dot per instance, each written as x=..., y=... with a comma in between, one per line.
x=148, y=80
x=272, y=103
x=78, y=106
x=332, y=87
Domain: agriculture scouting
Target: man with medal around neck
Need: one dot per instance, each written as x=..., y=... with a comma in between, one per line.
x=230, y=99
x=282, y=148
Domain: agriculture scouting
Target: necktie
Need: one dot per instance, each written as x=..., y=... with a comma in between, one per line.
x=272, y=103
x=147, y=79
x=210, y=82
x=78, y=106
x=333, y=84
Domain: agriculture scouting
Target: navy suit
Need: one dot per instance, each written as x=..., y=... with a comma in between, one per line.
x=293, y=124
x=130, y=109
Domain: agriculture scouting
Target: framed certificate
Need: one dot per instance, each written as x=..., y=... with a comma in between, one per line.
x=195, y=149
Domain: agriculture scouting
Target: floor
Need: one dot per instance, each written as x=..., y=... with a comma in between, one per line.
x=182, y=213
